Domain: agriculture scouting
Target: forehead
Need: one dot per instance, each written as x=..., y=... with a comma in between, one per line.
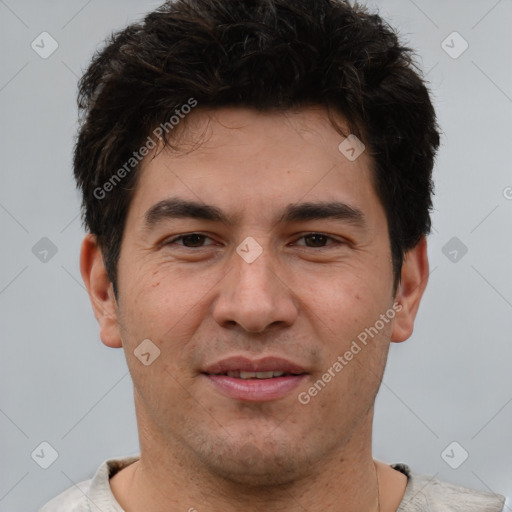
x=256, y=162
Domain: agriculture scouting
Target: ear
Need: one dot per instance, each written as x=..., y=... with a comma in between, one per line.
x=101, y=291
x=414, y=277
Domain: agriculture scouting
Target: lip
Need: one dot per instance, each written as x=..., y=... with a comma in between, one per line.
x=255, y=390
x=265, y=364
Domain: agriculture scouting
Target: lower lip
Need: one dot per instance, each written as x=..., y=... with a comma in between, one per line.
x=255, y=390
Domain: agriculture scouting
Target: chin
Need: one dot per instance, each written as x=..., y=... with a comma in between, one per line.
x=258, y=463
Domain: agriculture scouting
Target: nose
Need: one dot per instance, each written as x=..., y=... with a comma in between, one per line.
x=255, y=296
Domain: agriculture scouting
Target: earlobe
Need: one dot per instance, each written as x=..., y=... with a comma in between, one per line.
x=414, y=277
x=100, y=291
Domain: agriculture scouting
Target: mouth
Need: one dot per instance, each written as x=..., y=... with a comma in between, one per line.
x=239, y=374
x=262, y=380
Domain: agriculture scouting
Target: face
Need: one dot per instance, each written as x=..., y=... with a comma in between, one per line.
x=253, y=259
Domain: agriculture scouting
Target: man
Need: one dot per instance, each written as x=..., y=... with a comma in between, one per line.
x=256, y=179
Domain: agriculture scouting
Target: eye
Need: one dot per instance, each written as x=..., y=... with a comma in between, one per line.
x=189, y=240
x=317, y=240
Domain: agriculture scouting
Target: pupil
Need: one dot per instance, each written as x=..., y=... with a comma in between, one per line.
x=317, y=239
x=193, y=239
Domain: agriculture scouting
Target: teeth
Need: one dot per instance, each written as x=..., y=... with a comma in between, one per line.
x=254, y=375
x=264, y=375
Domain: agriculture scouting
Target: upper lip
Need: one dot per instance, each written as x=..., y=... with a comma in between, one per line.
x=244, y=364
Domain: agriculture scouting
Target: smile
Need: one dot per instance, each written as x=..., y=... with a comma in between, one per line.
x=237, y=374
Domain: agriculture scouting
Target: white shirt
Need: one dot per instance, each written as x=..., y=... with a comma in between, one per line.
x=422, y=494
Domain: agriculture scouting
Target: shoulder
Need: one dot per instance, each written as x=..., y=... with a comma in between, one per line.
x=428, y=494
x=94, y=495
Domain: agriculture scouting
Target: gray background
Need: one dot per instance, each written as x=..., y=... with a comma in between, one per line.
x=450, y=382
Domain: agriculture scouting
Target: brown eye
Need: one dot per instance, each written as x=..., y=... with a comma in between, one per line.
x=191, y=240
x=316, y=240
x=194, y=240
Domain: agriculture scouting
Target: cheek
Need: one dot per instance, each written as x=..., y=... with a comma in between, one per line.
x=347, y=316
x=154, y=300
x=166, y=306
x=345, y=301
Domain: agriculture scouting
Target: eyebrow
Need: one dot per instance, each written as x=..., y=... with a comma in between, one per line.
x=323, y=210
x=175, y=208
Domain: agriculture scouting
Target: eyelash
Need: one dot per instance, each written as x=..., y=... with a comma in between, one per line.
x=314, y=233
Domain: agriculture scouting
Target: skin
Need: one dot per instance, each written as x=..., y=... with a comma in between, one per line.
x=297, y=300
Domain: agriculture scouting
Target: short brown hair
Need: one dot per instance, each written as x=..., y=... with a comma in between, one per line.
x=264, y=54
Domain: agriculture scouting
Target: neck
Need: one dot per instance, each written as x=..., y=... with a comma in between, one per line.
x=171, y=479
